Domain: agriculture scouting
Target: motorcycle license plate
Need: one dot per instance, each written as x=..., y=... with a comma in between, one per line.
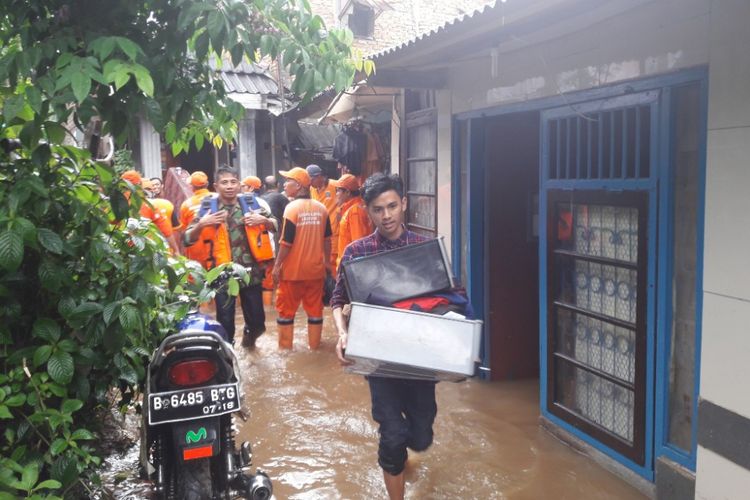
x=187, y=404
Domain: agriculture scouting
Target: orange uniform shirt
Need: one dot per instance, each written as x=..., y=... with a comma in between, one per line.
x=152, y=212
x=189, y=208
x=327, y=196
x=355, y=223
x=306, y=226
x=165, y=208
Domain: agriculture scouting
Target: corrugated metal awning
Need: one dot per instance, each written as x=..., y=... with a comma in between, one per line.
x=253, y=86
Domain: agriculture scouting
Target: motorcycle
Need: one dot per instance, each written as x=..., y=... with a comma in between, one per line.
x=193, y=388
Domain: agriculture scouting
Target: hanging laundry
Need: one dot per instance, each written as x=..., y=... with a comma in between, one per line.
x=349, y=148
x=373, y=157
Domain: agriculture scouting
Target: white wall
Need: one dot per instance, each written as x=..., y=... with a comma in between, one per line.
x=656, y=37
x=725, y=364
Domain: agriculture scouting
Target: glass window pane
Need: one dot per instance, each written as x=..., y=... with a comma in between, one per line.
x=421, y=210
x=595, y=399
x=597, y=343
x=599, y=288
x=598, y=230
x=422, y=141
x=422, y=177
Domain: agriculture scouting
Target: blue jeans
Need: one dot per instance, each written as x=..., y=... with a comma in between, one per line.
x=405, y=410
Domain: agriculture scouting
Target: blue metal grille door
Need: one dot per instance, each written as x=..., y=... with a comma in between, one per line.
x=598, y=179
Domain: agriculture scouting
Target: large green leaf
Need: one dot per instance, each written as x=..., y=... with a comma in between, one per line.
x=11, y=250
x=50, y=240
x=129, y=47
x=13, y=106
x=49, y=484
x=16, y=400
x=82, y=434
x=71, y=405
x=58, y=446
x=64, y=470
x=55, y=132
x=27, y=230
x=119, y=204
x=109, y=312
x=143, y=80
x=129, y=317
x=86, y=310
x=30, y=476
x=42, y=354
x=81, y=84
x=46, y=329
x=234, y=287
x=50, y=275
x=60, y=367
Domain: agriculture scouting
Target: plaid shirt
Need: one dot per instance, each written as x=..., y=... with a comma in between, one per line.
x=369, y=245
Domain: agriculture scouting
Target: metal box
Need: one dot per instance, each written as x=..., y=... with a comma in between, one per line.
x=389, y=342
x=410, y=271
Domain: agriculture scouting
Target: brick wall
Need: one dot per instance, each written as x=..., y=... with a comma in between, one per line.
x=406, y=20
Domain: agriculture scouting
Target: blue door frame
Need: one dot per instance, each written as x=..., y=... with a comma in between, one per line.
x=660, y=205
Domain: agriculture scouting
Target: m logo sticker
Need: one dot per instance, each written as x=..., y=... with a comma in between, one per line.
x=194, y=437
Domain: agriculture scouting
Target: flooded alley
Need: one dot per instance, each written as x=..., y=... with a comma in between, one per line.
x=311, y=431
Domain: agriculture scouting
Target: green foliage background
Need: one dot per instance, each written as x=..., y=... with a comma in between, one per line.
x=87, y=289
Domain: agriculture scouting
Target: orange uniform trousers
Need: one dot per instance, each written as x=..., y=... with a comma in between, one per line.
x=308, y=292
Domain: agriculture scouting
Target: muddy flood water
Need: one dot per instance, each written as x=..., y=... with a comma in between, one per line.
x=311, y=431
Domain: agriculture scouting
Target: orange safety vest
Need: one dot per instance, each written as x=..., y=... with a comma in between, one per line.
x=188, y=210
x=215, y=239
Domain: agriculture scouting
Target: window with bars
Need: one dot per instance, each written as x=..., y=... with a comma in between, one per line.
x=421, y=162
x=606, y=144
x=596, y=323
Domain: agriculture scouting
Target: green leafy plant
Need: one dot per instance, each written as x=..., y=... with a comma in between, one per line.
x=87, y=288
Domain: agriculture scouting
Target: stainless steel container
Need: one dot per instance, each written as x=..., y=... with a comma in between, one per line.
x=389, y=342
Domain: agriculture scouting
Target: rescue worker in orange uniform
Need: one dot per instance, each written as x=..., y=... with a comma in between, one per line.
x=233, y=227
x=152, y=187
x=189, y=209
x=252, y=184
x=148, y=211
x=304, y=253
x=354, y=221
x=324, y=191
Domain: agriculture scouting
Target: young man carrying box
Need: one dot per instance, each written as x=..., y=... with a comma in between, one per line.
x=405, y=409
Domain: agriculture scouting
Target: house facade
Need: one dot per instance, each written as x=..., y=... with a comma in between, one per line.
x=587, y=160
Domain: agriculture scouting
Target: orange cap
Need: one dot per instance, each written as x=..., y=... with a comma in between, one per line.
x=252, y=181
x=348, y=182
x=198, y=178
x=147, y=184
x=298, y=174
x=132, y=176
